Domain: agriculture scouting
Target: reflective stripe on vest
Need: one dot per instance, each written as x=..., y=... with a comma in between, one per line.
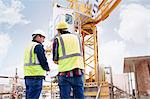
x=64, y=51
x=34, y=58
x=32, y=66
x=70, y=54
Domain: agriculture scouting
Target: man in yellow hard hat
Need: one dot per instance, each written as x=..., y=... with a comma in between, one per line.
x=67, y=53
x=35, y=65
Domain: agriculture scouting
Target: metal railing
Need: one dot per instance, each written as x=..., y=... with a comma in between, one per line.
x=119, y=92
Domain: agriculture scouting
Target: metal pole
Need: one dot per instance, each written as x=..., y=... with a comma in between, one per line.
x=51, y=89
x=131, y=79
x=128, y=83
x=136, y=85
x=112, y=83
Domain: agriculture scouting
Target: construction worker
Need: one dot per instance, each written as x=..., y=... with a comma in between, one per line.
x=67, y=53
x=35, y=65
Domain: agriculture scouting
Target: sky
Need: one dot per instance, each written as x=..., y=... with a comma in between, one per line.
x=125, y=33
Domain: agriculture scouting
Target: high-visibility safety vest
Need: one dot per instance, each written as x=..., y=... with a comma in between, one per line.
x=32, y=66
x=70, y=54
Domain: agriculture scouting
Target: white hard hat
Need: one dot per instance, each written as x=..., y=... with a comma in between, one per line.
x=38, y=31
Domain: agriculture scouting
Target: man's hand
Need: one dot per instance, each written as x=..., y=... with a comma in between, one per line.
x=56, y=62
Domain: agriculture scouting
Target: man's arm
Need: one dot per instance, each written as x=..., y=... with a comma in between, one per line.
x=55, y=51
x=39, y=50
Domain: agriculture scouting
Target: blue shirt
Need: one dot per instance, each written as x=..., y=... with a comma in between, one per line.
x=39, y=50
x=55, y=50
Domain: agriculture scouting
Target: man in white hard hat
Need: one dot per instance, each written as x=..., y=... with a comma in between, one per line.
x=35, y=65
x=67, y=53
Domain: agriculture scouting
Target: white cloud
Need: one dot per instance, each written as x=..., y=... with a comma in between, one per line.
x=135, y=23
x=148, y=31
x=99, y=29
x=134, y=0
x=4, y=45
x=112, y=54
x=139, y=1
x=12, y=14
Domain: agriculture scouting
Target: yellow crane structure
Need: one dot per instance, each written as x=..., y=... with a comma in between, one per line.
x=86, y=17
x=89, y=31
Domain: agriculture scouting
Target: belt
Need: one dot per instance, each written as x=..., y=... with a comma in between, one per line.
x=74, y=72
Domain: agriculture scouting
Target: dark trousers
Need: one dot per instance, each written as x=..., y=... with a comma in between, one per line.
x=33, y=88
x=68, y=83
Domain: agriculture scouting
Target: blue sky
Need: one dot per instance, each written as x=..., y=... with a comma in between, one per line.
x=126, y=32
x=27, y=15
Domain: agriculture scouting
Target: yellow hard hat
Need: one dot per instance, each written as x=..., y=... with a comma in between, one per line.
x=62, y=25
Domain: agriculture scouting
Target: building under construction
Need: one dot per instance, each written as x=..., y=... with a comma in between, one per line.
x=140, y=67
